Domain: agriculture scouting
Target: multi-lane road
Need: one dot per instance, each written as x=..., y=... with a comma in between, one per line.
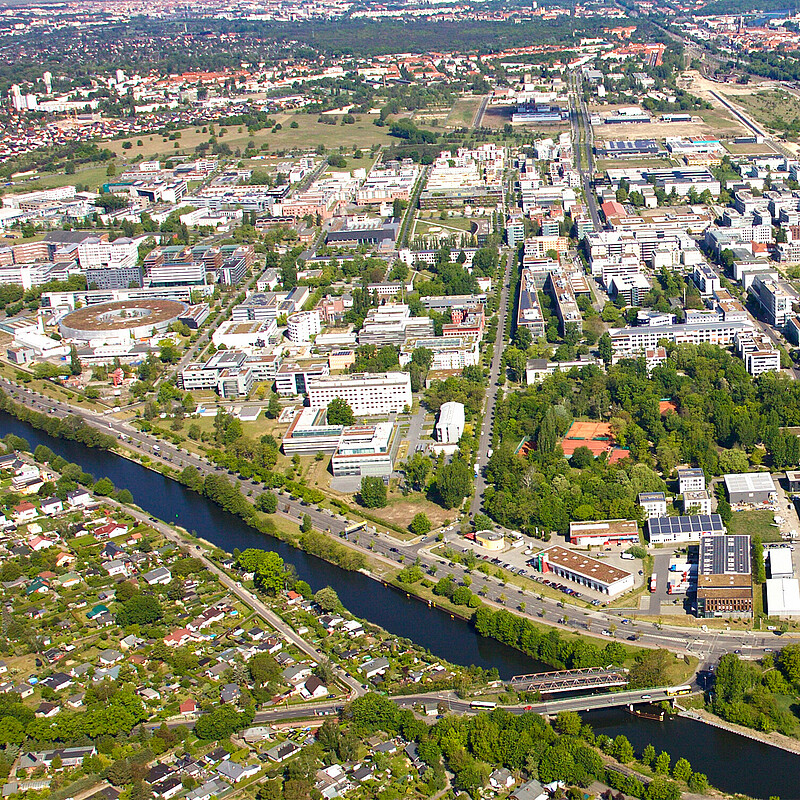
x=387, y=553
x=485, y=438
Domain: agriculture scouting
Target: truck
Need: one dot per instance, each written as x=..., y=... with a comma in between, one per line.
x=653, y=582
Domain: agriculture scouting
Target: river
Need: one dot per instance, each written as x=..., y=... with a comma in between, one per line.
x=733, y=763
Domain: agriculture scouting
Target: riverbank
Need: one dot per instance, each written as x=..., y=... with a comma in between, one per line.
x=774, y=739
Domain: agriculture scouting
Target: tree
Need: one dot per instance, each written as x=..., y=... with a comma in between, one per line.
x=306, y=525
x=267, y=502
x=568, y=722
x=622, y=749
x=648, y=755
x=264, y=669
x=327, y=599
x=273, y=407
x=453, y=483
x=417, y=469
x=141, y=609
x=698, y=783
x=661, y=765
x=605, y=349
x=104, y=487
x=373, y=492
x=420, y=524
x=75, y=365
x=682, y=771
x=270, y=574
x=340, y=413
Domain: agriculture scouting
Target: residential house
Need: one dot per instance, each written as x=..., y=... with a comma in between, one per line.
x=117, y=567
x=52, y=505
x=296, y=674
x=313, y=689
x=283, y=751
x=230, y=693
x=532, y=790
x=158, y=576
x=79, y=498
x=377, y=666
x=234, y=772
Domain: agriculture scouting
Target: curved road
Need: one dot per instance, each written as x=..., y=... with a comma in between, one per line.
x=707, y=646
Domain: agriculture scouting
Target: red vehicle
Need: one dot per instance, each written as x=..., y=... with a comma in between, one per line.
x=652, y=583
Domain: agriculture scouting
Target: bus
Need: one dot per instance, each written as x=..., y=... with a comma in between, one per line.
x=676, y=690
x=483, y=705
x=652, y=583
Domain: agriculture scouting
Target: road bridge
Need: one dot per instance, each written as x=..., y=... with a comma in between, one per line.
x=569, y=680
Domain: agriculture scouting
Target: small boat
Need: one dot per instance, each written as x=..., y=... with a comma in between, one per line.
x=648, y=712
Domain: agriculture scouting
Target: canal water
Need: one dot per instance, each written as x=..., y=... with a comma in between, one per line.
x=445, y=636
x=733, y=763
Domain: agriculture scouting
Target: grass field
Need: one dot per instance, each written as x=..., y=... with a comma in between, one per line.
x=603, y=164
x=306, y=136
x=463, y=112
x=774, y=108
x=749, y=149
x=754, y=523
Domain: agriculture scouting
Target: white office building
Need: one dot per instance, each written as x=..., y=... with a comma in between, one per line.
x=367, y=394
x=450, y=425
x=302, y=325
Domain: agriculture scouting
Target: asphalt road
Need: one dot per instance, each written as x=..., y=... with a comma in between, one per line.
x=485, y=438
x=708, y=646
x=580, y=124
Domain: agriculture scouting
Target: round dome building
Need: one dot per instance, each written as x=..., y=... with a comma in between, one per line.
x=120, y=320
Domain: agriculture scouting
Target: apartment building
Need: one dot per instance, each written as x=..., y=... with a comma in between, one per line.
x=529, y=311
x=367, y=394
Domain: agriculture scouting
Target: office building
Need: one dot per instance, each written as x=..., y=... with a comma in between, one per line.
x=367, y=394
x=696, y=502
x=292, y=379
x=630, y=341
x=392, y=323
x=302, y=326
x=724, y=583
x=691, y=480
x=679, y=530
x=774, y=298
x=653, y=503
x=596, y=533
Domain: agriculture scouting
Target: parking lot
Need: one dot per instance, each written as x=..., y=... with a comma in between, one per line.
x=518, y=560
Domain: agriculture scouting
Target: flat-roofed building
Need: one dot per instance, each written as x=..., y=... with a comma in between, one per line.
x=653, y=503
x=585, y=571
x=696, y=502
x=679, y=530
x=367, y=394
x=691, y=480
x=293, y=378
x=724, y=582
x=783, y=598
x=780, y=562
x=356, y=450
x=605, y=531
x=750, y=487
